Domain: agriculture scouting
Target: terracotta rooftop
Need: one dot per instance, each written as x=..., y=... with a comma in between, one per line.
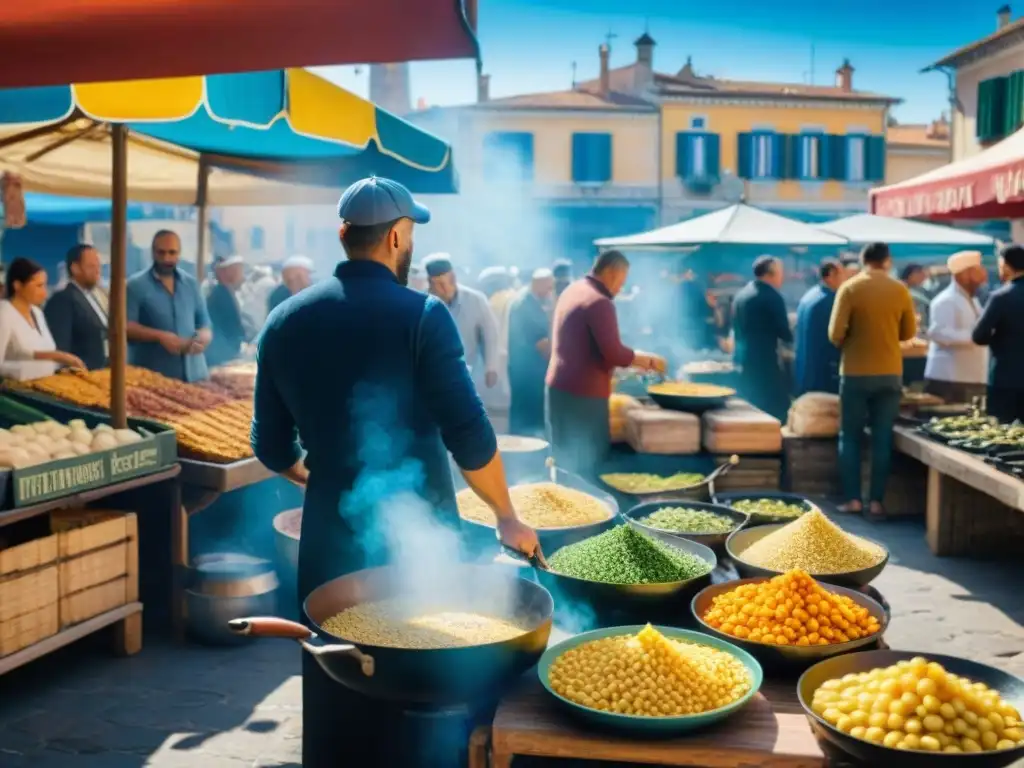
x=978, y=46
x=687, y=82
x=574, y=99
x=920, y=135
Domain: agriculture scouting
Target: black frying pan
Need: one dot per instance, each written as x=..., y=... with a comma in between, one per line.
x=420, y=677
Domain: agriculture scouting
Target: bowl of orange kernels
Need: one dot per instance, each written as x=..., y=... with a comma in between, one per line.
x=790, y=620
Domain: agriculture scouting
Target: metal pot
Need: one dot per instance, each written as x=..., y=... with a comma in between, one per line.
x=286, y=541
x=222, y=586
x=420, y=677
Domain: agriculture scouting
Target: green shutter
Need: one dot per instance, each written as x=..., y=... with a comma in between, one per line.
x=683, y=163
x=1013, y=117
x=992, y=119
x=745, y=158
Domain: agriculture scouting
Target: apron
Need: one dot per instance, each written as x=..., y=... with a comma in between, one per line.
x=341, y=728
x=579, y=430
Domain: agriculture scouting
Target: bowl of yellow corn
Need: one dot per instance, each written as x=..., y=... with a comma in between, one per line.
x=689, y=396
x=649, y=680
x=916, y=710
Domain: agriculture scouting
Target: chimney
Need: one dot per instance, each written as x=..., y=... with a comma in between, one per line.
x=483, y=88
x=1003, y=17
x=844, y=77
x=606, y=79
x=643, y=72
x=421, y=104
x=389, y=87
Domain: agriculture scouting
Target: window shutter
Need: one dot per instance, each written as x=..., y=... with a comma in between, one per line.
x=992, y=106
x=792, y=154
x=525, y=155
x=505, y=148
x=683, y=162
x=1014, y=116
x=825, y=156
x=713, y=155
x=778, y=145
x=580, y=157
x=591, y=157
x=837, y=158
x=875, y=150
x=604, y=157
x=745, y=155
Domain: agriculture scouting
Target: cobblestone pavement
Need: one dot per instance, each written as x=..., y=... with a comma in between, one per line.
x=193, y=707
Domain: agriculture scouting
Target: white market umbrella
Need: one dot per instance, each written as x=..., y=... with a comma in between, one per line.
x=738, y=224
x=869, y=228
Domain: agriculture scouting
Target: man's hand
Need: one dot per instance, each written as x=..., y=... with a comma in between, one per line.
x=544, y=348
x=297, y=473
x=174, y=344
x=517, y=535
x=71, y=361
x=652, y=363
x=491, y=378
x=196, y=346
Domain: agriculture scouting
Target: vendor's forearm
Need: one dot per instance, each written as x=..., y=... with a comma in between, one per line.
x=139, y=332
x=205, y=335
x=490, y=485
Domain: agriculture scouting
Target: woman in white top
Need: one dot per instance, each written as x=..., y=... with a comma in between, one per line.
x=27, y=350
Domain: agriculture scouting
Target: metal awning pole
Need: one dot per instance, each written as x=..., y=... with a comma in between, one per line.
x=202, y=189
x=118, y=315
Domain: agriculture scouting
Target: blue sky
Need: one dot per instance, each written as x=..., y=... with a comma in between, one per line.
x=529, y=45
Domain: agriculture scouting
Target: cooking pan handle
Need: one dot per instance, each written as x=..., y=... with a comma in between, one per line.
x=535, y=561
x=719, y=471
x=272, y=626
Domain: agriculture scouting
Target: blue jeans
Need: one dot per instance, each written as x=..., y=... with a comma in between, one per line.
x=867, y=401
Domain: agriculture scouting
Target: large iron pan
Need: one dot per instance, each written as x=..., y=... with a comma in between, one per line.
x=420, y=677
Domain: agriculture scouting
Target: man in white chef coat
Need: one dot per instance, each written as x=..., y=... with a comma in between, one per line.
x=957, y=368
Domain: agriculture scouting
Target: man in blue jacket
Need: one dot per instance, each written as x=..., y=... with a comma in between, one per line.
x=1001, y=327
x=816, y=368
x=370, y=376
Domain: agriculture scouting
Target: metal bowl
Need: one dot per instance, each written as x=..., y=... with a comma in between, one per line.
x=637, y=724
x=714, y=540
x=741, y=540
x=690, y=403
x=605, y=597
x=552, y=539
x=758, y=518
x=1010, y=688
x=788, y=657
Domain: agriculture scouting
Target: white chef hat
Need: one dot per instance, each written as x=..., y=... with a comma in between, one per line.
x=298, y=261
x=542, y=274
x=229, y=261
x=963, y=260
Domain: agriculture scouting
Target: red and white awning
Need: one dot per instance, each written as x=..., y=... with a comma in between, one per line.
x=989, y=185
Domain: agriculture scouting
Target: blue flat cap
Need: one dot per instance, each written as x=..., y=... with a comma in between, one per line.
x=377, y=201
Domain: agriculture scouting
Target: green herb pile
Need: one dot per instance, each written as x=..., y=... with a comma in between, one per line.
x=769, y=508
x=689, y=520
x=623, y=555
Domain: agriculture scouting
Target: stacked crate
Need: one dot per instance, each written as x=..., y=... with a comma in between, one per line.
x=98, y=552
x=28, y=594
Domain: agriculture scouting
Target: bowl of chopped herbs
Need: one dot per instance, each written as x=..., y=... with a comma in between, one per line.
x=626, y=568
x=707, y=524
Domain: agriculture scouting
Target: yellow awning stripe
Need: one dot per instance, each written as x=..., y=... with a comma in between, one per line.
x=130, y=101
x=316, y=106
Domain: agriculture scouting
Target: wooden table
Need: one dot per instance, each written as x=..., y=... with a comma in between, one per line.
x=971, y=507
x=771, y=732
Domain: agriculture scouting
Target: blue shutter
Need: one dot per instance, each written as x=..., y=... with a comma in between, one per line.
x=683, y=162
x=778, y=159
x=713, y=155
x=745, y=155
x=825, y=156
x=792, y=154
x=591, y=157
x=837, y=158
x=874, y=148
x=256, y=239
x=524, y=153
x=504, y=148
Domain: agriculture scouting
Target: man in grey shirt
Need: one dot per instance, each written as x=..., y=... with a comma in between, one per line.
x=473, y=316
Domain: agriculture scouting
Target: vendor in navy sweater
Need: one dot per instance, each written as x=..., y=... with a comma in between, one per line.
x=585, y=349
x=371, y=377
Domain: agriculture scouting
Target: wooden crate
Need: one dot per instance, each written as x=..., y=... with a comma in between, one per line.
x=811, y=468
x=98, y=562
x=753, y=473
x=28, y=593
x=29, y=628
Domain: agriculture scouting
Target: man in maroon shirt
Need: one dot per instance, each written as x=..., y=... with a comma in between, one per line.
x=585, y=349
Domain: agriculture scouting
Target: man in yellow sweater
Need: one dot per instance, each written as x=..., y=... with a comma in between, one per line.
x=873, y=313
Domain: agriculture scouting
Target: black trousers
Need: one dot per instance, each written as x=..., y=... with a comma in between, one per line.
x=1006, y=404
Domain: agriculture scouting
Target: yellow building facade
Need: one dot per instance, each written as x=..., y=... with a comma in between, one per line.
x=671, y=145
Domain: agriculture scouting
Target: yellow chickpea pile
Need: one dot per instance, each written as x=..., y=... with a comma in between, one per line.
x=790, y=609
x=649, y=674
x=918, y=705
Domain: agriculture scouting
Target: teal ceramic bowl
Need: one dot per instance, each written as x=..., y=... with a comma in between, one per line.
x=641, y=725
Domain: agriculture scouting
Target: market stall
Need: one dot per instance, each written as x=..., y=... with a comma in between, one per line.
x=988, y=185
